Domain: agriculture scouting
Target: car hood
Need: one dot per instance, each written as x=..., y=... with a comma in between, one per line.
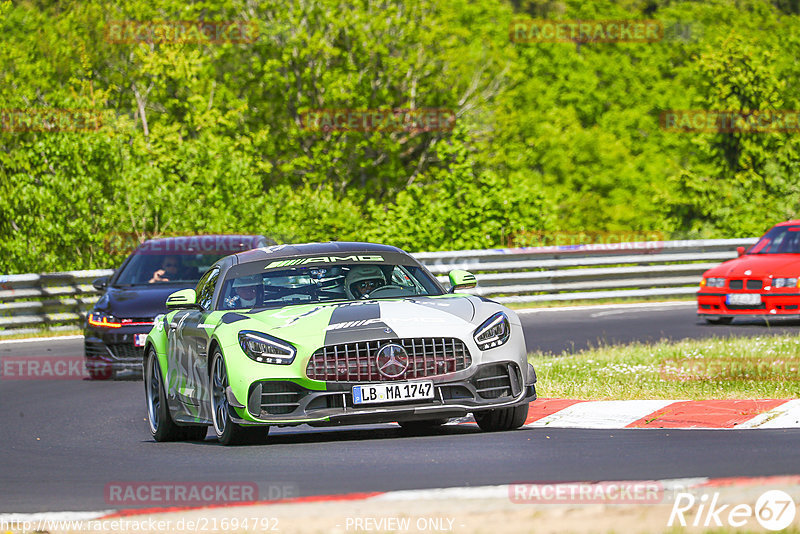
x=347, y=322
x=137, y=301
x=758, y=266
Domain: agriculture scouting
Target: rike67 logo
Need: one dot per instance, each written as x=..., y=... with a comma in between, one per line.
x=774, y=510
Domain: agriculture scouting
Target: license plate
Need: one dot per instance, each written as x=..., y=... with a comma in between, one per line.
x=401, y=391
x=744, y=299
x=139, y=340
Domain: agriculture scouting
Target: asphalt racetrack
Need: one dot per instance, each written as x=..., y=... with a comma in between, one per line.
x=64, y=441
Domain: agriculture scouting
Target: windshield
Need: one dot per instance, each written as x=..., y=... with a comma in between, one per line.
x=308, y=285
x=779, y=240
x=149, y=268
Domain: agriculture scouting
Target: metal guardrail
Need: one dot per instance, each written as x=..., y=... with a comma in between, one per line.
x=524, y=275
x=587, y=272
x=52, y=300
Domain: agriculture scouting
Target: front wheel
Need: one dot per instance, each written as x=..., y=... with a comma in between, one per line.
x=162, y=427
x=228, y=432
x=502, y=418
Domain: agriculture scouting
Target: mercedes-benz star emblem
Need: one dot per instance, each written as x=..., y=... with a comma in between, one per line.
x=392, y=360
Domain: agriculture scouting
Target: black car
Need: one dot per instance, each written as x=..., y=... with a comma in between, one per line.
x=135, y=294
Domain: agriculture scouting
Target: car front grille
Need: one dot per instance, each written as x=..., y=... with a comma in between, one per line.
x=95, y=350
x=749, y=284
x=495, y=381
x=355, y=362
x=275, y=398
x=761, y=306
x=126, y=351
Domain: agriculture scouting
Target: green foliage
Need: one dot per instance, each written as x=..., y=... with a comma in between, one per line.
x=714, y=368
x=736, y=177
x=209, y=138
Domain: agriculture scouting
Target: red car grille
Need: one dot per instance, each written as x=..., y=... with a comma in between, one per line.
x=750, y=284
x=355, y=362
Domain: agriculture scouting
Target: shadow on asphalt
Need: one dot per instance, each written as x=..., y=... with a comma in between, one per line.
x=325, y=435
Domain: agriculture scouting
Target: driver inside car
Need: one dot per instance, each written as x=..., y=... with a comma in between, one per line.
x=170, y=267
x=245, y=290
x=362, y=280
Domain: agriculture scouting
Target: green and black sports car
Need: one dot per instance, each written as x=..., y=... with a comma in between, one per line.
x=331, y=334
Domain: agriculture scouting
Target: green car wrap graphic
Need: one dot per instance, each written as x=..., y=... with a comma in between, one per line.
x=448, y=339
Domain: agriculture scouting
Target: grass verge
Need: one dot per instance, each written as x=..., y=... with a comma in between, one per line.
x=716, y=368
x=42, y=333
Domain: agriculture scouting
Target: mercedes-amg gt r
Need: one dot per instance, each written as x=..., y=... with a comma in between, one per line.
x=331, y=334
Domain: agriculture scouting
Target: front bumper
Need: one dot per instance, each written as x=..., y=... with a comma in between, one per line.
x=114, y=348
x=713, y=305
x=286, y=403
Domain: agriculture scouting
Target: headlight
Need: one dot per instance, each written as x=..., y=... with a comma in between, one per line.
x=714, y=282
x=102, y=320
x=784, y=282
x=264, y=348
x=493, y=332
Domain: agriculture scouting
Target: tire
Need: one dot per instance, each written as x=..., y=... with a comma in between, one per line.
x=502, y=418
x=227, y=431
x=422, y=426
x=719, y=320
x=98, y=369
x=162, y=427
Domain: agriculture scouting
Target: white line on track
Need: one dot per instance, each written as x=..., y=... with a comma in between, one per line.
x=637, y=310
x=32, y=339
x=624, y=307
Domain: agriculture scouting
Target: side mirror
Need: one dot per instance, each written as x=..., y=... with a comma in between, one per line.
x=100, y=283
x=461, y=280
x=183, y=299
x=740, y=251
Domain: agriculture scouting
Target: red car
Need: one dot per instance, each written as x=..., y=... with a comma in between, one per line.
x=761, y=282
